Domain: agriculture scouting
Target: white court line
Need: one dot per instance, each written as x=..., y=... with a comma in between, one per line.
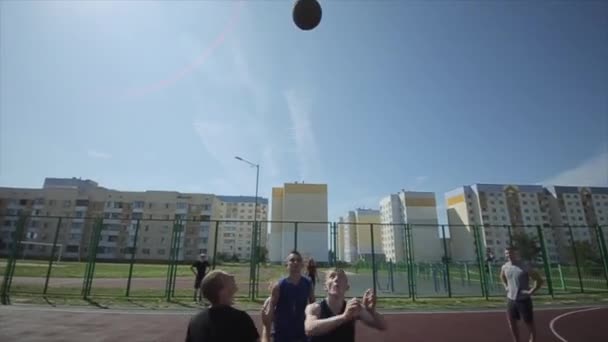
x=162, y=312
x=553, y=321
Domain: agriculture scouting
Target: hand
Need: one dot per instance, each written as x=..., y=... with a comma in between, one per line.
x=527, y=292
x=353, y=308
x=266, y=319
x=369, y=300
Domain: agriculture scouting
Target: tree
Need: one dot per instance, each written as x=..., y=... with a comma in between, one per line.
x=587, y=255
x=527, y=245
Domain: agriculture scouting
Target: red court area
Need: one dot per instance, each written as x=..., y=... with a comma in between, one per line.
x=34, y=324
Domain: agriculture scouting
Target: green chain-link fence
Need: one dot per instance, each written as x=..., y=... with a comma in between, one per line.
x=125, y=257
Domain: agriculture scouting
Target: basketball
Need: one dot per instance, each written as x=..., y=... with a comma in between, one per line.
x=307, y=14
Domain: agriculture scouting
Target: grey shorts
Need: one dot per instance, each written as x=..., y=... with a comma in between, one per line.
x=521, y=309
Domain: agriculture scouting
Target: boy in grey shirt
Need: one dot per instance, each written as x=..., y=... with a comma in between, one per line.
x=515, y=276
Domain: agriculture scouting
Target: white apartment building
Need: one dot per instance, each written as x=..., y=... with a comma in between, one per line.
x=307, y=204
x=340, y=240
x=349, y=236
x=419, y=210
x=499, y=210
x=357, y=227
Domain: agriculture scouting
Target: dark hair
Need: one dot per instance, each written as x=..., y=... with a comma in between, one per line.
x=212, y=284
x=511, y=248
x=296, y=253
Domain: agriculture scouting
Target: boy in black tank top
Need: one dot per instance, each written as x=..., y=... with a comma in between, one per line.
x=333, y=318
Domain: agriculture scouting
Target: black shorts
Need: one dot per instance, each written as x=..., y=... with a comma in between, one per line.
x=197, y=283
x=521, y=309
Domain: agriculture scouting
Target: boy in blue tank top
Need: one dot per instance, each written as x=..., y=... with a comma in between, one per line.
x=288, y=300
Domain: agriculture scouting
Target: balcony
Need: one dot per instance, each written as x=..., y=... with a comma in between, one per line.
x=112, y=210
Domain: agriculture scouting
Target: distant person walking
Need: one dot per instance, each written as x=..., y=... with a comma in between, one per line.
x=515, y=276
x=199, y=269
x=311, y=271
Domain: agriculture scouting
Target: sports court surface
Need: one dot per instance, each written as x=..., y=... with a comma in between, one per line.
x=34, y=323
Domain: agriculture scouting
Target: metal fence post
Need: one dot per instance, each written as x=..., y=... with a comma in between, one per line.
x=48, y=271
x=168, y=283
x=480, y=261
x=133, y=251
x=258, y=259
x=603, y=253
x=217, y=226
x=180, y=234
x=578, y=269
x=11, y=262
x=374, y=276
x=335, y=244
x=295, y=237
x=252, y=258
x=546, y=265
x=446, y=261
x=410, y=261
x=92, y=258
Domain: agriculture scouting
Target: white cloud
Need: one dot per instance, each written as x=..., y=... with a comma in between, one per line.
x=98, y=155
x=421, y=179
x=303, y=135
x=592, y=172
x=241, y=129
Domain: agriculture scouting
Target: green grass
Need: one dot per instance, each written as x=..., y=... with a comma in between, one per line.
x=115, y=299
x=35, y=268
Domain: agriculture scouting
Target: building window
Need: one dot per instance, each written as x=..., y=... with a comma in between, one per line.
x=71, y=249
x=145, y=251
x=161, y=251
x=67, y=203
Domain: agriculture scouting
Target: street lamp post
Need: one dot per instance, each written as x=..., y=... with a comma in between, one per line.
x=254, y=242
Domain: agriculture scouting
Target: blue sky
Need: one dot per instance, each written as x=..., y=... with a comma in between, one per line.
x=382, y=96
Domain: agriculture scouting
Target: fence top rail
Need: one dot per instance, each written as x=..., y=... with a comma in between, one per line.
x=199, y=219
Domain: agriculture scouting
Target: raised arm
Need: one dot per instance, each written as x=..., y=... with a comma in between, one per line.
x=268, y=311
x=315, y=326
x=369, y=316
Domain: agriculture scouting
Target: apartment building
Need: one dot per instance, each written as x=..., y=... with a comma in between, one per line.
x=419, y=210
x=340, y=240
x=577, y=211
x=357, y=226
x=306, y=203
x=349, y=236
x=151, y=215
x=500, y=210
x=235, y=236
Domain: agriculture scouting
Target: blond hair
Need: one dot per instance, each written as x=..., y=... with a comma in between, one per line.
x=212, y=284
